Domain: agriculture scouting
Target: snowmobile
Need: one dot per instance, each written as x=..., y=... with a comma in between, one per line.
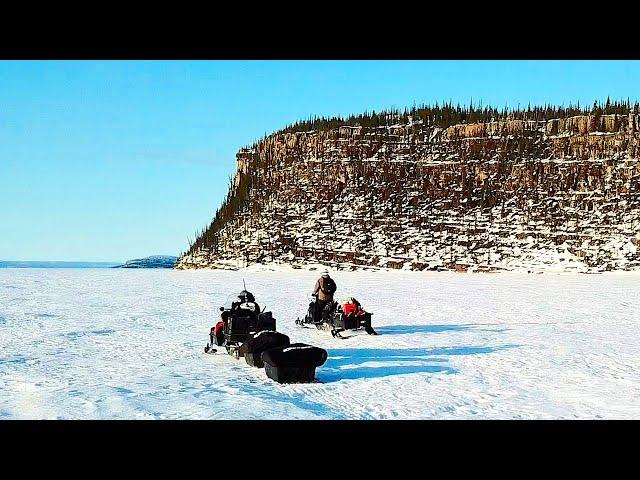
x=238, y=323
x=337, y=317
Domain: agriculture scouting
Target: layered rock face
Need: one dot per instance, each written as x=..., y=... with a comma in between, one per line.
x=561, y=194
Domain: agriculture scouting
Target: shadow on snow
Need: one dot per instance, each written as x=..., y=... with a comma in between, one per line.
x=408, y=329
x=357, y=363
x=402, y=329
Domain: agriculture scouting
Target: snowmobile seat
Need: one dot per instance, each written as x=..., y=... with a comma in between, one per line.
x=331, y=312
x=237, y=328
x=295, y=363
x=266, y=322
x=349, y=321
x=260, y=342
x=315, y=316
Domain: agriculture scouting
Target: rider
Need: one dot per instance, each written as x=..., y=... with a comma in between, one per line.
x=323, y=291
x=245, y=304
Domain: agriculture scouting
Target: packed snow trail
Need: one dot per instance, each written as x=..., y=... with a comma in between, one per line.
x=101, y=343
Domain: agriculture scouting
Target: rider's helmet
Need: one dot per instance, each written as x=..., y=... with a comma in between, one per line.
x=246, y=296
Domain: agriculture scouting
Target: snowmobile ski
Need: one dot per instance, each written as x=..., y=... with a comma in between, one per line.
x=370, y=330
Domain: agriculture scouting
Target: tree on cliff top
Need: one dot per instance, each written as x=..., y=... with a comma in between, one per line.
x=449, y=114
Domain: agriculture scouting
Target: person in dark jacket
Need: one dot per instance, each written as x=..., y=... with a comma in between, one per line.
x=323, y=291
x=245, y=304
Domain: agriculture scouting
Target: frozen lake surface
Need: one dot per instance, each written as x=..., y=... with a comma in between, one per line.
x=128, y=344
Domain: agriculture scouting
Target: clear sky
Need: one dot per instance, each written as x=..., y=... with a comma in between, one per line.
x=111, y=160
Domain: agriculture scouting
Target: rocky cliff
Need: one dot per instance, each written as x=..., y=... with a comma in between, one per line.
x=559, y=194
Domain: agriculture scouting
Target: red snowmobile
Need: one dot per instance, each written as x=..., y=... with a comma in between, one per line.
x=337, y=317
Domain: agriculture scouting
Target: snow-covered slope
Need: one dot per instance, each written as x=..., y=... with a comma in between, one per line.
x=128, y=344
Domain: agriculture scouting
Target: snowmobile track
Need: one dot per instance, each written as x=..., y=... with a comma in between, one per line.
x=321, y=393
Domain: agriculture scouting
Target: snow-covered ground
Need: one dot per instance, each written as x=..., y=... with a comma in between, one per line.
x=128, y=344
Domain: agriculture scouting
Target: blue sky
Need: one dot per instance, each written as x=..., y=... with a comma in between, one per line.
x=111, y=160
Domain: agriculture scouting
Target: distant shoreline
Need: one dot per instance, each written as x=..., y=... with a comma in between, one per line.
x=55, y=264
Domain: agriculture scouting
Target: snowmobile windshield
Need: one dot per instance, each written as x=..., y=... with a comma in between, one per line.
x=349, y=300
x=228, y=301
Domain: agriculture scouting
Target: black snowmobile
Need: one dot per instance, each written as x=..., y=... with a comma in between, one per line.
x=337, y=318
x=238, y=323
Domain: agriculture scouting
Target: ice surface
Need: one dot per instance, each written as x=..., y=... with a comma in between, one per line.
x=129, y=344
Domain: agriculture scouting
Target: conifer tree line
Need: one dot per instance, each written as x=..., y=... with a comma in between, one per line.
x=442, y=115
x=448, y=114
x=231, y=205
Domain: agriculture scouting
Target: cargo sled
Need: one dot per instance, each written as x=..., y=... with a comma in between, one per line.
x=337, y=317
x=295, y=363
x=260, y=342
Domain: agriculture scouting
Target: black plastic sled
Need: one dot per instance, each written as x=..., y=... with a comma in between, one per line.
x=260, y=342
x=295, y=363
x=336, y=318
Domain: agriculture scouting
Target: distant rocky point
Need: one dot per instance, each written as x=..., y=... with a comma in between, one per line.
x=155, y=261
